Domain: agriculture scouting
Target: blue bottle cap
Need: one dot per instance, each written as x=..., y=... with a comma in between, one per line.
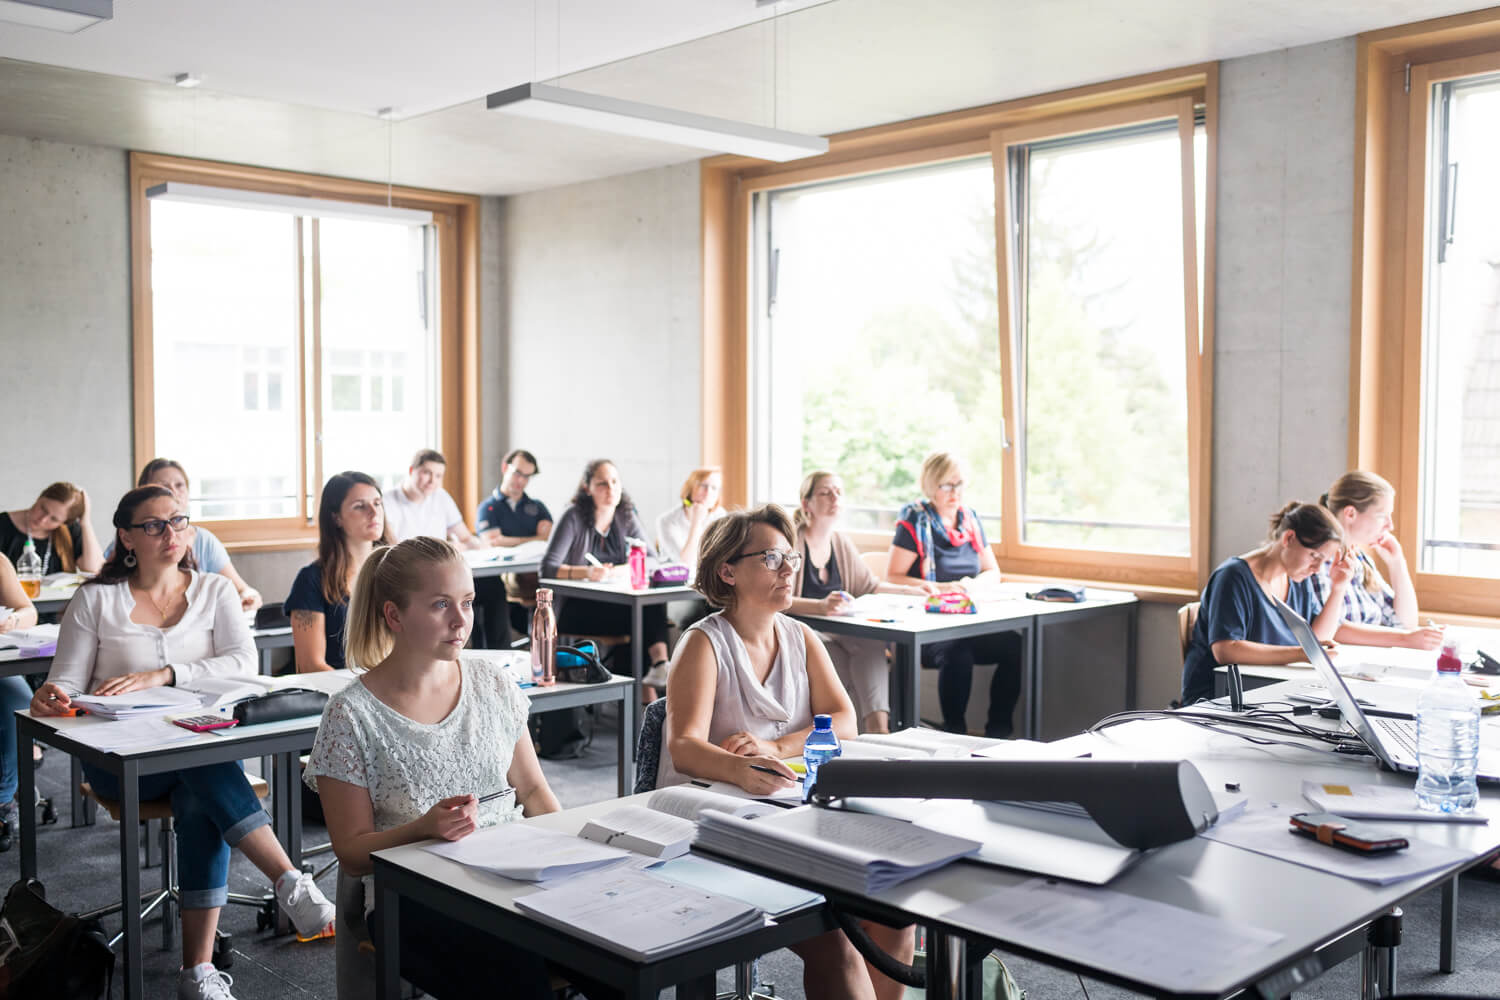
x=822, y=722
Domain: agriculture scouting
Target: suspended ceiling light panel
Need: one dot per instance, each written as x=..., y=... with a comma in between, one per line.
x=68, y=16
x=651, y=121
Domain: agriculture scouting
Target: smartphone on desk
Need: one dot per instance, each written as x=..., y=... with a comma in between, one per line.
x=1348, y=834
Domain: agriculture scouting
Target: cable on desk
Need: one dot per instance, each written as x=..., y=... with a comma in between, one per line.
x=1228, y=725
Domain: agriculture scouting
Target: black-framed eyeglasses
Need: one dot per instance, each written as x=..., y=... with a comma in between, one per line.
x=156, y=526
x=773, y=558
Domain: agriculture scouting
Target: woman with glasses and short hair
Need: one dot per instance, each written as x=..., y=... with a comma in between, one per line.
x=745, y=684
x=150, y=619
x=1237, y=618
x=940, y=542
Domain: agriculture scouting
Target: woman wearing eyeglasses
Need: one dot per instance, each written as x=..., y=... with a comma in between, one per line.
x=1237, y=617
x=745, y=684
x=209, y=553
x=832, y=573
x=147, y=620
x=940, y=541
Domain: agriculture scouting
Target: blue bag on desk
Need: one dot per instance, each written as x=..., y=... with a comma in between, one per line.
x=565, y=733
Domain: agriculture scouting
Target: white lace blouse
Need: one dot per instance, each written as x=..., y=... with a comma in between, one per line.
x=408, y=766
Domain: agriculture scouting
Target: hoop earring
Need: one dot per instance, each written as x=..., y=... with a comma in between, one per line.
x=129, y=560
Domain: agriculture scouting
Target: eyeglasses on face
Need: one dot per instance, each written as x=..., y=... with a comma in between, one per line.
x=156, y=526
x=951, y=487
x=773, y=559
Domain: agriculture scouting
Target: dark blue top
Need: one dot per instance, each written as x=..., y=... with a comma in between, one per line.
x=496, y=513
x=307, y=595
x=951, y=562
x=1235, y=607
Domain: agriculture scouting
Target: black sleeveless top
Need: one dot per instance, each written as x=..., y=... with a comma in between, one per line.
x=814, y=587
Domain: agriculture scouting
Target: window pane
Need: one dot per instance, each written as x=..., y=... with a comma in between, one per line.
x=223, y=289
x=374, y=279
x=877, y=342
x=1460, y=439
x=1104, y=396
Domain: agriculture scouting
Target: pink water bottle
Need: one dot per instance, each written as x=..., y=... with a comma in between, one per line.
x=637, y=564
x=544, y=640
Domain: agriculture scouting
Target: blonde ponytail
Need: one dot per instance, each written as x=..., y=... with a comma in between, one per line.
x=390, y=573
x=809, y=485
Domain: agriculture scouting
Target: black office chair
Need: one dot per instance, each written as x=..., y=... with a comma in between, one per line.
x=647, y=762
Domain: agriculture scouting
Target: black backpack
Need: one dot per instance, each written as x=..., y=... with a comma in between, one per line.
x=45, y=953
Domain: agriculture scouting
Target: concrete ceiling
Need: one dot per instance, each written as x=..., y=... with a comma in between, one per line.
x=295, y=83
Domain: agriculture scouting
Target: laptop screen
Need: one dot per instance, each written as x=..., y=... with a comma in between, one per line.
x=1342, y=696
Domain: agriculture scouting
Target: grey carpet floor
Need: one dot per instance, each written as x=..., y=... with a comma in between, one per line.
x=80, y=870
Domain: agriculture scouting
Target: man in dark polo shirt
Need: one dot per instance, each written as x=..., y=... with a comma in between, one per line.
x=508, y=517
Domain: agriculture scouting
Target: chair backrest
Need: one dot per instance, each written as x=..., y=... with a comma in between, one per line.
x=1187, y=618
x=876, y=562
x=648, y=746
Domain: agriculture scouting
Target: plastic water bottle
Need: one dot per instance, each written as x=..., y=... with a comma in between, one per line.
x=822, y=745
x=638, y=579
x=544, y=640
x=29, y=570
x=1447, y=739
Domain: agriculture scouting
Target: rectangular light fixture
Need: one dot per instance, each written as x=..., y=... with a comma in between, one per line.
x=651, y=121
x=68, y=16
x=286, y=204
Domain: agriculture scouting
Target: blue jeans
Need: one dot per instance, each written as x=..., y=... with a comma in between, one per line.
x=213, y=808
x=14, y=696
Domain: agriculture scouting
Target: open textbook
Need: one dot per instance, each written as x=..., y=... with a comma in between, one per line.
x=664, y=827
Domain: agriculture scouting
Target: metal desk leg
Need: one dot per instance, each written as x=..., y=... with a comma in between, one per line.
x=26, y=792
x=81, y=809
x=627, y=741
x=953, y=967
x=1132, y=627
x=1448, y=928
x=1031, y=679
x=637, y=648
x=910, y=705
x=265, y=661
x=1378, y=969
x=130, y=879
x=702, y=988
x=388, y=955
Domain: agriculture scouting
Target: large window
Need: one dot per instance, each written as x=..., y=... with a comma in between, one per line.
x=1028, y=294
x=1425, y=385
x=1460, y=439
x=278, y=345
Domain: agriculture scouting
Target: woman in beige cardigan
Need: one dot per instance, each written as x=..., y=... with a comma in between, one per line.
x=832, y=575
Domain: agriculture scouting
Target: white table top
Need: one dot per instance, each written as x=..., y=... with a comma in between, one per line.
x=1006, y=602
x=618, y=588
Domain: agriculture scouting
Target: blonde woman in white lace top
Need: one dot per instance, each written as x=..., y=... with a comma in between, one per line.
x=406, y=751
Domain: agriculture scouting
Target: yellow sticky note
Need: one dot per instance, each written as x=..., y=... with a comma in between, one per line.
x=1336, y=790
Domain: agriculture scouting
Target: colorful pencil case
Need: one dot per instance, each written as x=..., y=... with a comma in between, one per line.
x=956, y=603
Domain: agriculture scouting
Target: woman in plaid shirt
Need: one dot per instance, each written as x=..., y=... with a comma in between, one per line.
x=1376, y=610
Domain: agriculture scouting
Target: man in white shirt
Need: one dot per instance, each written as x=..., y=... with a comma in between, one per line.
x=420, y=505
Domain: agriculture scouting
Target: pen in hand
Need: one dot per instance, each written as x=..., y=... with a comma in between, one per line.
x=495, y=795
x=592, y=561
x=769, y=770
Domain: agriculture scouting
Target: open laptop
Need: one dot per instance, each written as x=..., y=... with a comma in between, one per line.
x=1392, y=741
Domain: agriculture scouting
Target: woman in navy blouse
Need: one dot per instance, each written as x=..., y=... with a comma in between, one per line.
x=1238, y=621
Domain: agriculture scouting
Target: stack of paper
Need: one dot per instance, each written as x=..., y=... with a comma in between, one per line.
x=775, y=898
x=640, y=916
x=131, y=734
x=933, y=742
x=1378, y=802
x=854, y=852
x=133, y=704
x=528, y=853
x=664, y=827
x=39, y=640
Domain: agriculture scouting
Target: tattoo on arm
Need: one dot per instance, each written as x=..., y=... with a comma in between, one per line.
x=304, y=619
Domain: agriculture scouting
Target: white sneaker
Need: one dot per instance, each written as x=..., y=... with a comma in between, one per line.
x=656, y=677
x=309, y=910
x=213, y=986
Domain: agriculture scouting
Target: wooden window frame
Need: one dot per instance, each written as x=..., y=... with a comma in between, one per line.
x=728, y=187
x=456, y=221
x=1396, y=68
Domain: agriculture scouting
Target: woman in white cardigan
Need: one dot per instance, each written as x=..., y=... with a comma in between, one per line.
x=147, y=620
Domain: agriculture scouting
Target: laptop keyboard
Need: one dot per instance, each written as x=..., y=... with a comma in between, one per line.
x=1402, y=732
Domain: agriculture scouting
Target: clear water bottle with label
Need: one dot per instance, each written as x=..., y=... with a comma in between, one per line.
x=1447, y=739
x=29, y=570
x=822, y=745
x=544, y=640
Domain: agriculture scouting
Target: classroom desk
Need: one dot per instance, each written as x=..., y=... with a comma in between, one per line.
x=283, y=741
x=487, y=902
x=613, y=592
x=1322, y=917
x=1008, y=611
x=53, y=599
x=498, y=562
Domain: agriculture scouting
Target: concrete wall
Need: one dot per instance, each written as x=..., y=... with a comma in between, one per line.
x=65, y=321
x=602, y=326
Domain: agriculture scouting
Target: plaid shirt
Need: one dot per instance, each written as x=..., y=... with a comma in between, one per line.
x=1360, y=605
